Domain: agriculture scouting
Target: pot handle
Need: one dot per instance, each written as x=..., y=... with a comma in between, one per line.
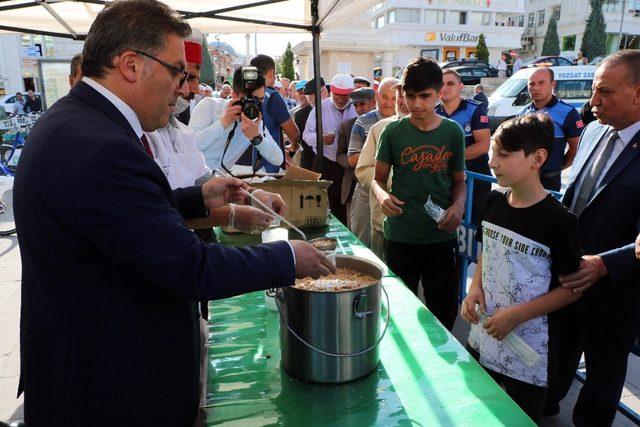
x=360, y=306
x=326, y=353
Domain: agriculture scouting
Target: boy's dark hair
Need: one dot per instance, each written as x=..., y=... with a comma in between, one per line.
x=421, y=74
x=129, y=25
x=528, y=133
x=264, y=63
x=238, y=83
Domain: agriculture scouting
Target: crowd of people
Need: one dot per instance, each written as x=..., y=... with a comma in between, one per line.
x=141, y=140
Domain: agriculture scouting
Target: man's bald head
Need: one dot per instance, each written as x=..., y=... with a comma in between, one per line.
x=386, y=96
x=541, y=85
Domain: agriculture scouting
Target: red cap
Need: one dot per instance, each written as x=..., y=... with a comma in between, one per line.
x=193, y=52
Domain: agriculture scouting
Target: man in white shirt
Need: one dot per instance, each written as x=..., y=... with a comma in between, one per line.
x=223, y=132
x=335, y=109
x=18, y=106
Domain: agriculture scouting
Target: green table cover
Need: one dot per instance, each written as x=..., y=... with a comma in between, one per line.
x=425, y=376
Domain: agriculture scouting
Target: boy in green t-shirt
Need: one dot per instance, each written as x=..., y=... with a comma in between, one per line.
x=426, y=153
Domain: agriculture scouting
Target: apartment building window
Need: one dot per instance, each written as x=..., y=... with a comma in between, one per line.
x=407, y=15
x=377, y=7
x=569, y=42
x=391, y=17
x=434, y=16
x=521, y=21
x=458, y=18
x=612, y=6
x=540, y=18
x=479, y=18
x=531, y=20
x=556, y=13
x=379, y=22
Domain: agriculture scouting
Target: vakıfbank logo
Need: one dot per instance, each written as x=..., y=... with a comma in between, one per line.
x=430, y=37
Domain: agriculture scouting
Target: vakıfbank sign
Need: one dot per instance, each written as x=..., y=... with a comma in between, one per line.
x=442, y=37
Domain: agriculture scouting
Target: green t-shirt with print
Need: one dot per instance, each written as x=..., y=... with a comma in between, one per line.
x=422, y=163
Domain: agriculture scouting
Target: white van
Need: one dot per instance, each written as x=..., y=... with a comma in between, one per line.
x=573, y=87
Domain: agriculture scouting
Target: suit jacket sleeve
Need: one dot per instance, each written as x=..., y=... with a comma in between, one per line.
x=124, y=208
x=622, y=266
x=189, y=202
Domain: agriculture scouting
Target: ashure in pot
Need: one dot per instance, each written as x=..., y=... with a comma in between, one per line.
x=332, y=337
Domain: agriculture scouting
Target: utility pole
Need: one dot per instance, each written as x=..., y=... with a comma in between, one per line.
x=621, y=20
x=247, y=57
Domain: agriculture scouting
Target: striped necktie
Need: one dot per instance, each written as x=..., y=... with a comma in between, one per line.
x=589, y=182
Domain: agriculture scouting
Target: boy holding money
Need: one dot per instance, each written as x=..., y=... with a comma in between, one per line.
x=426, y=153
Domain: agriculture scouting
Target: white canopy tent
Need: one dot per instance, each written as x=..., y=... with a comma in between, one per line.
x=73, y=18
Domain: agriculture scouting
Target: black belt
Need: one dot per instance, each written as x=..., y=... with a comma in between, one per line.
x=551, y=174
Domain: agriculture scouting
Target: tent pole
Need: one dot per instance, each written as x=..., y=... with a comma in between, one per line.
x=315, y=31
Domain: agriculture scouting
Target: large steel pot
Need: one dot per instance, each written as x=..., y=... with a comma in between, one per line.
x=332, y=337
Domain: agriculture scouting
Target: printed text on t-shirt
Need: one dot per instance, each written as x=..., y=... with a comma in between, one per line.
x=435, y=159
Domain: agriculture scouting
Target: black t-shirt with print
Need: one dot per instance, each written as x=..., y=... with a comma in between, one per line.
x=548, y=222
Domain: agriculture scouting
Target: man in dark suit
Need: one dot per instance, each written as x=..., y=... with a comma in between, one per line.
x=605, y=195
x=109, y=333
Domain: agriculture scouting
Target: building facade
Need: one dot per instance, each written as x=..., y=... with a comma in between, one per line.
x=572, y=17
x=395, y=31
x=36, y=62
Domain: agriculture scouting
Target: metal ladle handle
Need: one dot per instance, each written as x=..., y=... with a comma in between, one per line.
x=326, y=353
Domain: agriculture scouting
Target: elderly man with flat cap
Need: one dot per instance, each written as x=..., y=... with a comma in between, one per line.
x=301, y=115
x=364, y=101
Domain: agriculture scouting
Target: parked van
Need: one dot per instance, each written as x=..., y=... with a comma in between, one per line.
x=573, y=86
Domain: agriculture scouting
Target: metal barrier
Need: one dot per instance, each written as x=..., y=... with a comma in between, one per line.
x=468, y=249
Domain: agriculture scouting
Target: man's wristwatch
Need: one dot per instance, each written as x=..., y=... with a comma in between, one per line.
x=256, y=140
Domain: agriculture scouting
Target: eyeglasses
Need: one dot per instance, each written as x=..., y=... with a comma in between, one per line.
x=176, y=71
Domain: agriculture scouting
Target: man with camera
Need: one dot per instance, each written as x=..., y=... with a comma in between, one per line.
x=234, y=125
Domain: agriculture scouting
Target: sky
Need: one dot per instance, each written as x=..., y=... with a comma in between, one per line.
x=272, y=44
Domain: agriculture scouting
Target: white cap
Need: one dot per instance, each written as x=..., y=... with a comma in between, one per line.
x=278, y=84
x=342, y=84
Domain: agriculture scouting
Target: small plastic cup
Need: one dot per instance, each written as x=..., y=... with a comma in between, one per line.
x=331, y=255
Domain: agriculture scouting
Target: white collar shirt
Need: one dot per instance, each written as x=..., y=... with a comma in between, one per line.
x=124, y=109
x=624, y=137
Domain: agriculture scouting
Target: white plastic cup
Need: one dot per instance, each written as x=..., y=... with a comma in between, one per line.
x=275, y=234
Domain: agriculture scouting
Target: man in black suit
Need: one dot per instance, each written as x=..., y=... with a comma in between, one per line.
x=605, y=195
x=109, y=333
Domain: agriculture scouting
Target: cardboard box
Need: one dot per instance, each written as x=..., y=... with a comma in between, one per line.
x=305, y=195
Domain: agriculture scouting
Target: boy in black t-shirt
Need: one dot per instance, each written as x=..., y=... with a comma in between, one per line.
x=528, y=239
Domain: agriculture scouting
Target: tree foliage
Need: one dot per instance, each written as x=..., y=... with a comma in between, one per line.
x=482, y=51
x=207, y=73
x=287, y=64
x=551, y=45
x=594, y=41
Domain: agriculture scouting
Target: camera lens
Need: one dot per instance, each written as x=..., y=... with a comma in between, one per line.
x=251, y=110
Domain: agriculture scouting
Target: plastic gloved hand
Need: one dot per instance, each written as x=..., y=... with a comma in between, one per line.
x=249, y=219
x=273, y=200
